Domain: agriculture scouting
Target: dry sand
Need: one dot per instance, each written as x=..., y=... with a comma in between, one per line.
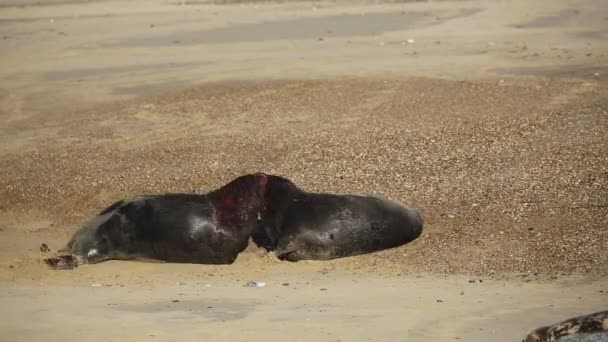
x=489, y=116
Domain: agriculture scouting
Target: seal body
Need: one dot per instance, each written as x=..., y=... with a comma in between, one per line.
x=587, y=328
x=208, y=229
x=299, y=225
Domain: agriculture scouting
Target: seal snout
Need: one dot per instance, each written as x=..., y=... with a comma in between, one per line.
x=418, y=223
x=412, y=222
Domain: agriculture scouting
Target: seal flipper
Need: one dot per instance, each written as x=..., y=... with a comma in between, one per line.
x=62, y=262
x=289, y=255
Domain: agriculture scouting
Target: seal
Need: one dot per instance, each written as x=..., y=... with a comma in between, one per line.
x=205, y=229
x=588, y=328
x=299, y=225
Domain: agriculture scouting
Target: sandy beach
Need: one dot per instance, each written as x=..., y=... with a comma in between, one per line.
x=488, y=116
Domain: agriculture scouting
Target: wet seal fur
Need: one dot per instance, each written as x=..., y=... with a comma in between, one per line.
x=587, y=328
x=205, y=229
x=299, y=225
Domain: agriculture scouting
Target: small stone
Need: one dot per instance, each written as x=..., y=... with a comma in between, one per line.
x=44, y=248
x=175, y=301
x=450, y=214
x=256, y=284
x=323, y=289
x=439, y=301
x=475, y=281
x=285, y=284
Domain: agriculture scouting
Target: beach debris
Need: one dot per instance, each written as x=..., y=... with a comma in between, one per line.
x=450, y=214
x=44, y=248
x=256, y=284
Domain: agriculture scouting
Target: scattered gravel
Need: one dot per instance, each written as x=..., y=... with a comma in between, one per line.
x=510, y=178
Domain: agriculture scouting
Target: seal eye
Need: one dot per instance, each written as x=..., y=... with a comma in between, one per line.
x=93, y=252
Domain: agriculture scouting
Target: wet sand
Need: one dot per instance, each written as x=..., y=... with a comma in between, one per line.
x=320, y=307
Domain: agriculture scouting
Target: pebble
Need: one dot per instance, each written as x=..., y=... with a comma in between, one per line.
x=450, y=214
x=501, y=142
x=256, y=284
x=44, y=248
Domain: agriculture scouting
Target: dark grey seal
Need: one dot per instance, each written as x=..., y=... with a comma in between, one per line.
x=587, y=328
x=299, y=225
x=206, y=229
